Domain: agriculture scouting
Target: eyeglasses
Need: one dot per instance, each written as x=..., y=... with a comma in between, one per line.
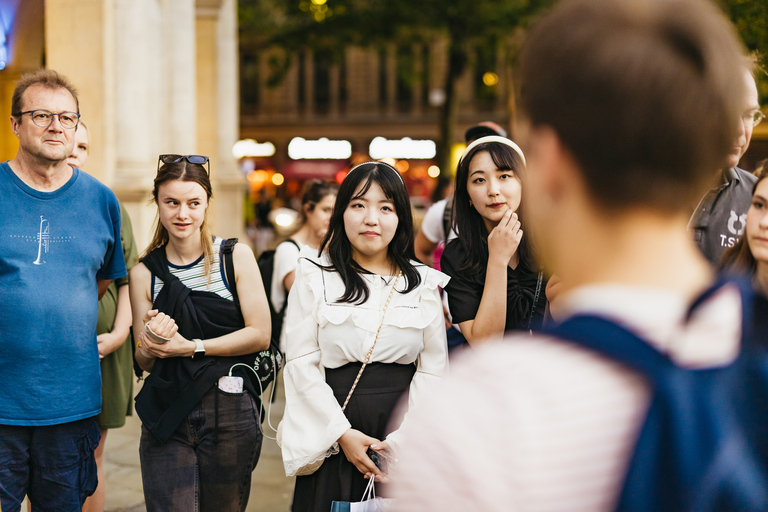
x=193, y=159
x=753, y=117
x=44, y=118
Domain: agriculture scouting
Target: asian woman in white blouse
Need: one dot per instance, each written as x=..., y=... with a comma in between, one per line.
x=365, y=267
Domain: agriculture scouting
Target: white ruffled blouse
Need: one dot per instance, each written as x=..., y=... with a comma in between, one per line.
x=319, y=333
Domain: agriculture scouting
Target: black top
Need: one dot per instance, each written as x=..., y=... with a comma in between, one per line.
x=177, y=384
x=719, y=219
x=465, y=291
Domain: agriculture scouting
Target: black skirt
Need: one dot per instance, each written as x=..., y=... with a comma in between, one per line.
x=369, y=410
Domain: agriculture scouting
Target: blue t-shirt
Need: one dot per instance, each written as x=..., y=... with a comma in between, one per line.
x=53, y=247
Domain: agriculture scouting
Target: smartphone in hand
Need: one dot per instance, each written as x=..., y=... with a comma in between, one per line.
x=382, y=460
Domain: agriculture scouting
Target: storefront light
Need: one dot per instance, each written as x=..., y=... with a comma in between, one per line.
x=323, y=148
x=403, y=148
x=249, y=147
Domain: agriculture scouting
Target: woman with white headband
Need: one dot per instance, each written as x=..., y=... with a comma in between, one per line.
x=495, y=283
x=364, y=324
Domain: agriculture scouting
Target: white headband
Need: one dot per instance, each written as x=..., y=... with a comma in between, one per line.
x=383, y=163
x=494, y=138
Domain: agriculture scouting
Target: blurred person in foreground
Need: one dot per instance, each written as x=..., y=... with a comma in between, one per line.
x=750, y=254
x=719, y=219
x=112, y=335
x=626, y=105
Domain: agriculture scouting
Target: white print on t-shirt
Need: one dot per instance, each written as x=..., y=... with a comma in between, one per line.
x=728, y=241
x=741, y=219
x=43, y=239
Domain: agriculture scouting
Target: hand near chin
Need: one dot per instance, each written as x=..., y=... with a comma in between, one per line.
x=504, y=239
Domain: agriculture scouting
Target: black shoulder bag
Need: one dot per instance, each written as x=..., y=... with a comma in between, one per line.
x=268, y=362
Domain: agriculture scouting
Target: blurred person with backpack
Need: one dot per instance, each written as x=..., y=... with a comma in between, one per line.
x=278, y=267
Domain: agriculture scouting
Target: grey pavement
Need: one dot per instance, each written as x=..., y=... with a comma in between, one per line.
x=271, y=491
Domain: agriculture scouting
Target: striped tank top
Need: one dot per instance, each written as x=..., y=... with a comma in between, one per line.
x=193, y=275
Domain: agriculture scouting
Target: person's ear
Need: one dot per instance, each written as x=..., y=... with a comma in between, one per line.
x=557, y=171
x=15, y=126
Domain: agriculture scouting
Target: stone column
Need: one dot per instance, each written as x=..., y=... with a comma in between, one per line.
x=218, y=111
x=309, y=83
x=181, y=77
x=334, y=87
x=86, y=57
x=391, y=79
x=140, y=118
x=362, y=81
x=417, y=92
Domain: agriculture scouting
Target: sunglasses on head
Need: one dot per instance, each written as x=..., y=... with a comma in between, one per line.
x=192, y=159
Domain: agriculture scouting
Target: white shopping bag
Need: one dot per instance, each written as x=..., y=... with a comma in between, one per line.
x=369, y=503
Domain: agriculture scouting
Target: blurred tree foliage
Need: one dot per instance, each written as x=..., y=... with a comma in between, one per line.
x=328, y=26
x=751, y=20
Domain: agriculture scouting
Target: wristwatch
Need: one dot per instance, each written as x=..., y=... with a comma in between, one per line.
x=199, y=347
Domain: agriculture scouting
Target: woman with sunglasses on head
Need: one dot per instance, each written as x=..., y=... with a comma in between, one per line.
x=364, y=324
x=317, y=202
x=750, y=254
x=201, y=435
x=495, y=284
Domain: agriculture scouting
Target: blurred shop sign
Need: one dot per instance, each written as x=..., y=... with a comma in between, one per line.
x=251, y=148
x=403, y=148
x=299, y=149
x=309, y=169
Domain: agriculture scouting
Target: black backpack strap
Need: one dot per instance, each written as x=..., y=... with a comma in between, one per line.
x=294, y=242
x=227, y=246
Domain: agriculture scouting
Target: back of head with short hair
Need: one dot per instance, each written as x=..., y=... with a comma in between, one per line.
x=645, y=94
x=45, y=77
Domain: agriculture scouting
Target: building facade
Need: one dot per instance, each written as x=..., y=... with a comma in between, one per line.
x=153, y=76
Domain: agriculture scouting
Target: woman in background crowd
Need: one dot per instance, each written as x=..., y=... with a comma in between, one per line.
x=364, y=324
x=750, y=254
x=495, y=284
x=316, y=207
x=200, y=440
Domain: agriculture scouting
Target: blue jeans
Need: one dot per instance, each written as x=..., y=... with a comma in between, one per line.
x=53, y=464
x=207, y=463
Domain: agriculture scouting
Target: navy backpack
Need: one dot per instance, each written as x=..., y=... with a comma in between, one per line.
x=704, y=443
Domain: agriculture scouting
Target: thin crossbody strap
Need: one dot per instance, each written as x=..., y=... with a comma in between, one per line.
x=535, y=299
x=368, y=356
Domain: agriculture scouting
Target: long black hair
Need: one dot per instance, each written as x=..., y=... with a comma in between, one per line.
x=468, y=223
x=400, y=250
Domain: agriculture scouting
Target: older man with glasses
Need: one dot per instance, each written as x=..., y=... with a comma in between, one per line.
x=60, y=248
x=719, y=219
